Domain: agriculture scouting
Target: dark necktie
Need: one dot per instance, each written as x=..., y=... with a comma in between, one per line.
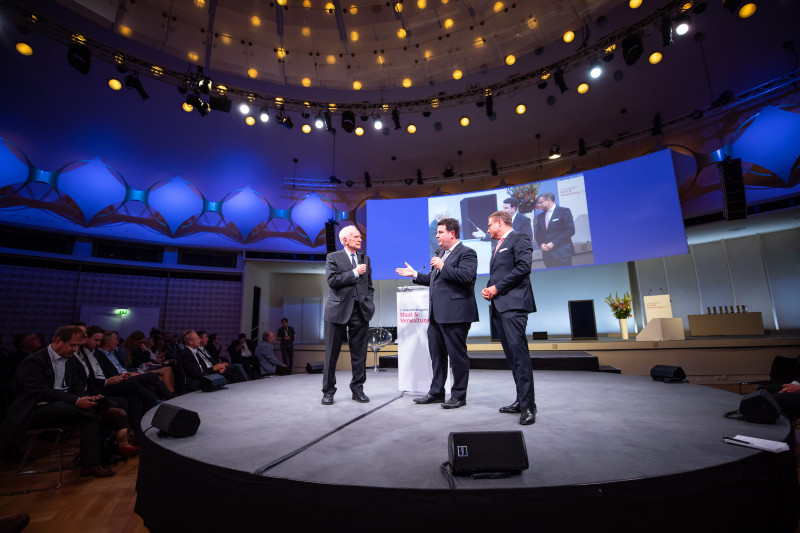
x=353, y=260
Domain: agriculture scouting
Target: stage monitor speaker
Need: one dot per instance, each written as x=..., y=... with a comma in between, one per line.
x=315, y=368
x=540, y=335
x=582, y=324
x=330, y=236
x=734, y=198
x=759, y=407
x=175, y=421
x=212, y=382
x=487, y=451
x=667, y=373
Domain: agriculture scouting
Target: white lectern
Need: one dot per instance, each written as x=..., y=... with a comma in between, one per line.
x=414, y=371
x=660, y=324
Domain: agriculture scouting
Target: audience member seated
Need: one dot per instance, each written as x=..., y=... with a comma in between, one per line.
x=789, y=399
x=265, y=353
x=196, y=364
x=171, y=347
x=215, y=348
x=43, y=400
x=140, y=357
x=112, y=368
x=25, y=344
x=241, y=351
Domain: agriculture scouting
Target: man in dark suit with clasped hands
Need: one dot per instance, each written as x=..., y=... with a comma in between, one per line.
x=452, y=311
x=554, y=230
x=511, y=296
x=349, y=309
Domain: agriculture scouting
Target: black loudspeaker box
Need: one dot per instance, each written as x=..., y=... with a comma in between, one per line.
x=734, y=197
x=487, y=451
x=330, y=236
x=176, y=421
x=540, y=335
x=759, y=407
x=667, y=373
x=315, y=368
x=212, y=382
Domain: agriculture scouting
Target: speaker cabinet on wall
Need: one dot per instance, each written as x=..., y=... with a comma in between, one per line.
x=330, y=236
x=734, y=199
x=582, y=324
x=175, y=421
x=487, y=451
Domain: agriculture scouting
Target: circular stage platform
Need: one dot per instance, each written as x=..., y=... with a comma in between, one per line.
x=608, y=452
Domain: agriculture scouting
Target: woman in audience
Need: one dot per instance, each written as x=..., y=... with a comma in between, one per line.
x=139, y=356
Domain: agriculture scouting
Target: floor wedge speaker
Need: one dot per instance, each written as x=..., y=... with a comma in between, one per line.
x=212, y=382
x=175, y=421
x=667, y=373
x=315, y=368
x=487, y=451
x=759, y=407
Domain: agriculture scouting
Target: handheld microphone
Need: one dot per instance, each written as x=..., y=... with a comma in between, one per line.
x=361, y=258
x=436, y=252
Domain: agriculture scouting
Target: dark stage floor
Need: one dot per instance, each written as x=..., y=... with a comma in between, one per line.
x=606, y=450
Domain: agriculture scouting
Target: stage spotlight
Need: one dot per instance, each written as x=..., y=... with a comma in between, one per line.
x=377, y=123
x=656, y=125
x=286, y=121
x=682, y=22
x=328, y=122
x=448, y=171
x=666, y=31
x=632, y=48
x=348, y=121
x=555, y=152
x=349, y=183
x=132, y=82
x=722, y=99
x=195, y=101
x=493, y=164
x=205, y=85
x=367, y=180
x=335, y=180
x=409, y=181
x=396, y=118
x=79, y=57
x=559, y=76
x=420, y=181
x=263, y=115
x=596, y=70
x=581, y=147
x=319, y=123
x=244, y=108
x=607, y=143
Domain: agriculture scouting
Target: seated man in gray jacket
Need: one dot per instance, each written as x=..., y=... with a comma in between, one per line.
x=265, y=354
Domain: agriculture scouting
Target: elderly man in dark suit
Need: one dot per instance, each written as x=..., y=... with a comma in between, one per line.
x=349, y=309
x=511, y=296
x=554, y=231
x=452, y=311
x=44, y=400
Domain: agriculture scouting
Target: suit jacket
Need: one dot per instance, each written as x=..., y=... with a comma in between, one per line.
x=282, y=332
x=522, y=224
x=236, y=355
x=510, y=273
x=192, y=370
x=346, y=287
x=108, y=368
x=559, y=231
x=79, y=381
x=452, y=295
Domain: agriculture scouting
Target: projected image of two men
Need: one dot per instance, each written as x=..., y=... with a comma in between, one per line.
x=553, y=214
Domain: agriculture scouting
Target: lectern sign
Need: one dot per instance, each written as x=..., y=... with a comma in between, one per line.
x=657, y=306
x=414, y=371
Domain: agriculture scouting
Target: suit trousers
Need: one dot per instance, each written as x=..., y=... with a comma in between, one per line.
x=449, y=340
x=62, y=414
x=357, y=329
x=510, y=326
x=287, y=354
x=140, y=400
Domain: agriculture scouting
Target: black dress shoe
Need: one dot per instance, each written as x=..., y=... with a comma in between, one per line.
x=15, y=523
x=96, y=471
x=428, y=399
x=327, y=399
x=527, y=416
x=360, y=397
x=452, y=403
x=513, y=408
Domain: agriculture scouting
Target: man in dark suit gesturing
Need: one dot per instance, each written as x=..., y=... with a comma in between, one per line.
x=452, y=311
x=554, y=231
x=509, y=291
x=349, y=308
